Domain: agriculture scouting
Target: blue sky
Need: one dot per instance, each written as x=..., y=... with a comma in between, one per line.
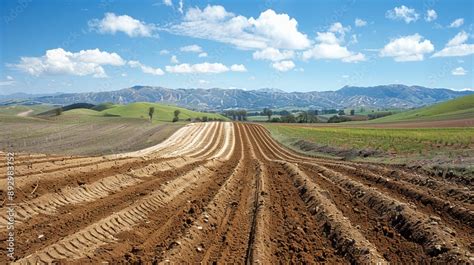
x=79, y=46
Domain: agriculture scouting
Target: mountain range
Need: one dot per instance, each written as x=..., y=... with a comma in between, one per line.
x=383, y=96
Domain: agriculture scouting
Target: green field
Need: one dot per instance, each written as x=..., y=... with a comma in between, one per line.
x=139, y=110
x=458, y=108
x=17, y=109
x=162, y=112
x=397, y=141
x=261, y=118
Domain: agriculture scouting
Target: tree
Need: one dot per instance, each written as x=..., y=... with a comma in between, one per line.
x=151, y=110
x=176, y=115
x=204, y=118
x=290, y=118
x=58, y=111
x=303, y=117
x=341, y=112
x=352, y=112
x=268, y=112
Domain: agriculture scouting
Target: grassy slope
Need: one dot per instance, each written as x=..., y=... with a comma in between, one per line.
x=401, y=141
x=162, y=112
x=458, y=108
x=14, y=110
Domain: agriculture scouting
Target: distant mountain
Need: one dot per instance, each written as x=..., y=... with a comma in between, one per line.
x=385, y=96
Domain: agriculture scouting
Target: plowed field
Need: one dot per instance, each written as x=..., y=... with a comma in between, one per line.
x=228, y=193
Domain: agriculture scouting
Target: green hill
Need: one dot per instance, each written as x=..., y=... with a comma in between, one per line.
x=162, y=112
x=103, y=106
x=459, y=108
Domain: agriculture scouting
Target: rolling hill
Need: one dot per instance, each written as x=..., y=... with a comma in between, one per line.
x=162, y=112
x=458, y=108
x=386, y=96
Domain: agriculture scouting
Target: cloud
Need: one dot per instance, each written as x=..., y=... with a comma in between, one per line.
x=457, y=23
x=8, y=82
x=431, y=15
x=214, y=68
x=203, y=82
x=459, y=39
x=112, y=23
x=238, y=68
x=459, y=71
x=59, y=61
x=202, y=54
x=268, y=30
x=180, y=6
x=457, y=46
x=283, y=66
x=407, y=48
x=272, y=54
x=329, y=46
x=403, y=13
x=360, y=22
x=174, y=59
x=191, y=48
x=164, y=52
x=168, y=2
x=146, y=69
x=204, y=68
x=338, y=28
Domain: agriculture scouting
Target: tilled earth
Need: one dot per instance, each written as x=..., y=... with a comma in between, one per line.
x=228, y=193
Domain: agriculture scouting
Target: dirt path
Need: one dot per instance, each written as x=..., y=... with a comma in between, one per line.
x=25, y=113
x=228, y=193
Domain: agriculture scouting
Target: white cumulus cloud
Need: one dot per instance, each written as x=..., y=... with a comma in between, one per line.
x=360, y=22
x=403, y=13
x=283, y=66
x=457, y=23
x=59, y=61
x=168, y=2
x=174, y=59
x=202, y=55
x=146, y=69
x=272, y=54
x=407, y=48
x=459, y=71
x=204, y=68
x=164, y=52
x=431, y=15
x=185, y=68
x=270, y=29
x=330, y=46
x=191, y=48
x=238, y=68
x=112, y=24
x=457, y=46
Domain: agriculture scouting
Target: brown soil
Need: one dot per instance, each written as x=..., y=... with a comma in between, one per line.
x=228, y=193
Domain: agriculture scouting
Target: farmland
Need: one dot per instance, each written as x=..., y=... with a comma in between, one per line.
x=227, y=192
x=104, y=129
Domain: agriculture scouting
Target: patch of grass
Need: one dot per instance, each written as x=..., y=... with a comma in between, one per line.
x=162, y=112
x=398, y=141
x=458, y=108
x=17, y=109
x=261, y=118
x=104, y=106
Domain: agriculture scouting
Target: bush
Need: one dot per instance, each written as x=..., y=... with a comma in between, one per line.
x=175, y=119
x=337, y=119
x=204, y=119
x=379, y=115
